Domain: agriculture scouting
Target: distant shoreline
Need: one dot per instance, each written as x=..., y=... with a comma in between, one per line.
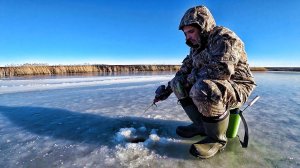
x=276, y=68
x=37, y=69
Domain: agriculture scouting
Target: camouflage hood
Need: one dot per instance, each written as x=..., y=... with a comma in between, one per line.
x=200, y=16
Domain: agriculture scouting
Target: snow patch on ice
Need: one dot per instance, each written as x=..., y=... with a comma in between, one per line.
x=142, y=136
x=135, y=155
x=125, y=134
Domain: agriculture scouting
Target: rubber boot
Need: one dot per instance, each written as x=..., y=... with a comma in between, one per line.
x=215, y=141
x=196, y=128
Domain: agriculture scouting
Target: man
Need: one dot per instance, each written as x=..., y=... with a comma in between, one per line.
x=213, y=79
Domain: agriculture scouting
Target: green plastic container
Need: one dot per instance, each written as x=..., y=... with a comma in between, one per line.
x=234, y=123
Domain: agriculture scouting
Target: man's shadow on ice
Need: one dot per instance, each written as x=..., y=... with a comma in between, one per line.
x=95, y=129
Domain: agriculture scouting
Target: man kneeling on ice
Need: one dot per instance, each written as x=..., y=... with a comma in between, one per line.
x=213, y=79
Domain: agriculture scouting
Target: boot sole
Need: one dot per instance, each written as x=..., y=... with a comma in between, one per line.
x=195, y=153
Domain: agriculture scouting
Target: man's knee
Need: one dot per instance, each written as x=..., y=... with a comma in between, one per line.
x=206, y=90
x=208, y=98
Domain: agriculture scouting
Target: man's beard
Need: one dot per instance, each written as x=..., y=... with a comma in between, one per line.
x=190, y=44
x=200, y=45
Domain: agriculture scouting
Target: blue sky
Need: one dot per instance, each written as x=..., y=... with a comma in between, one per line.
x=140, y=32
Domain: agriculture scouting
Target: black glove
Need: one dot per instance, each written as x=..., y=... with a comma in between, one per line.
x=162, y=93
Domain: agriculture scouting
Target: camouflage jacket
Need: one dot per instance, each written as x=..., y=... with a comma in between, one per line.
x=224, y=58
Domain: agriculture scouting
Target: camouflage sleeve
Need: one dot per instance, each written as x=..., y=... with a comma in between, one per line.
x=220, y=57
x=186, y=67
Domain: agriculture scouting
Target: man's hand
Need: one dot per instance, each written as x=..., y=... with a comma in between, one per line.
x=162, y=93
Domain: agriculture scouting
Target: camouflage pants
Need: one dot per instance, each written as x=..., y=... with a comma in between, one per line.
x=212, y=97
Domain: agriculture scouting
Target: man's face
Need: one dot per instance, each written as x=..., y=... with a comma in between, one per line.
x=192, y=36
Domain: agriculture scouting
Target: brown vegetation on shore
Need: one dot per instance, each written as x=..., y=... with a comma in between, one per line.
x=36, y=69
x=72, y=69
x=258, y=69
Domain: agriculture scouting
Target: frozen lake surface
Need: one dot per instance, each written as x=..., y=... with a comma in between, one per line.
x=99, y=121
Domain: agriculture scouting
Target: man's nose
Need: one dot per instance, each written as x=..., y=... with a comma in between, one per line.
x=187, y=37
